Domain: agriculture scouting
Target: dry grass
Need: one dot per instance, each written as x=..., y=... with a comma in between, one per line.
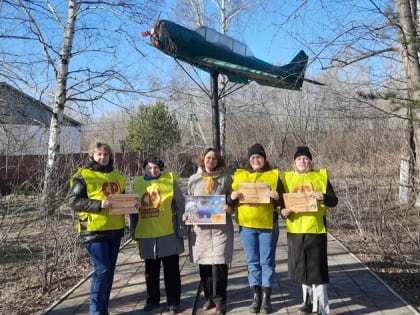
x=383, y=234
x=31, y=280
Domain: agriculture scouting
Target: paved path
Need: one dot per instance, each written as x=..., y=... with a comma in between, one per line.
x=353, y=289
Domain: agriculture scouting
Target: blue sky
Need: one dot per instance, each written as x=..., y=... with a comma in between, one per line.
x=260, y=31
x=275, y=33
x=278, y=30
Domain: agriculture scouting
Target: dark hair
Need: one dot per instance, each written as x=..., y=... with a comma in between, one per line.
x=154, y=160
x=220, y=160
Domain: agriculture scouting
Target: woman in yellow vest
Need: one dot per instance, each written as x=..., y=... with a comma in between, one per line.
x=258, y=226
x=100, y=231
x=307, y=232
x=211, y=246
x=159, y=230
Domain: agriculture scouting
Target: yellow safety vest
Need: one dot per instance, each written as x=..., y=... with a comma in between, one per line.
x=99, y=185
x=155, y=212
x=299, y=182
x=258, y=216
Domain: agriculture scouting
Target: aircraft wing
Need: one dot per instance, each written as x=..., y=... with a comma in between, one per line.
x=241, y=74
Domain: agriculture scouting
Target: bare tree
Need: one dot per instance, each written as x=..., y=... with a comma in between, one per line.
x=78, y=66
x=373, y=45
x=71, y=57
x=62, y=73
x=408, y=32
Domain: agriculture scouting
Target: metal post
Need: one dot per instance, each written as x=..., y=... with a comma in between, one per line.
x=215, y=108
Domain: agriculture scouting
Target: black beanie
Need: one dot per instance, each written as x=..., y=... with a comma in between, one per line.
x=303, y=151
x=257, y=149
x=154, y=160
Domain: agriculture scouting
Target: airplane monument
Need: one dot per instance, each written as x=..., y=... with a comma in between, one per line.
x=217, y=53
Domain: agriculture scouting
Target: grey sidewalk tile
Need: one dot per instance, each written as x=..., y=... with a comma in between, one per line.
x=353, y=289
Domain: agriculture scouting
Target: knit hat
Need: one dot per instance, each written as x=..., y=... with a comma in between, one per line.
x=257, y=149
x=303, y=151
x=154, y=160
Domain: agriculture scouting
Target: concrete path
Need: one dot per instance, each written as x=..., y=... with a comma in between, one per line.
x=353, y=289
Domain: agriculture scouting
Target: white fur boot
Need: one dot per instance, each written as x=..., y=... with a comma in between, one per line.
x=320, y=299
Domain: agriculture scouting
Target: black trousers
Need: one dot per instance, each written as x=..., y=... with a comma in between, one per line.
x=172, y=279
x=214, y=280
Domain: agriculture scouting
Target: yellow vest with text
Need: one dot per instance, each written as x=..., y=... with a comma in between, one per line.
x=313, y=222
x=99, y=185
x=258, y=216
x=155, y=212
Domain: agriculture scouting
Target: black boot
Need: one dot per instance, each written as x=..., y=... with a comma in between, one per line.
x=306, y=307
x=256, y=301
x=266, y=301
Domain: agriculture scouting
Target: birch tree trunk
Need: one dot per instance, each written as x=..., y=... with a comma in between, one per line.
x=51, y=175
x=222, y=101
x=407, y=17
x=225, y=19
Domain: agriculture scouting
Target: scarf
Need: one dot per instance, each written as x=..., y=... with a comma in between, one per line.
x=147, y=177
x=210, y=182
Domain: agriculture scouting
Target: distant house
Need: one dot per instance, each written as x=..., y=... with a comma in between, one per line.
x=25, y=122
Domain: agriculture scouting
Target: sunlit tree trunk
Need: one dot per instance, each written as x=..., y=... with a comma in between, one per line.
x=225, y=19
x=407, y=18
x=224, y=82
x=51, y=174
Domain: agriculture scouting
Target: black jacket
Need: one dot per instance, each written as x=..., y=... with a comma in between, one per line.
x=79, y=201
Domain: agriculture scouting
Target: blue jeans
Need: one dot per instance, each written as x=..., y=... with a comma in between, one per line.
x=103, y=255
x=274, y=241
x=259, y=250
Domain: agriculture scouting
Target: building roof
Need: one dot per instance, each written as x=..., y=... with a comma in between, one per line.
x=17, y=107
